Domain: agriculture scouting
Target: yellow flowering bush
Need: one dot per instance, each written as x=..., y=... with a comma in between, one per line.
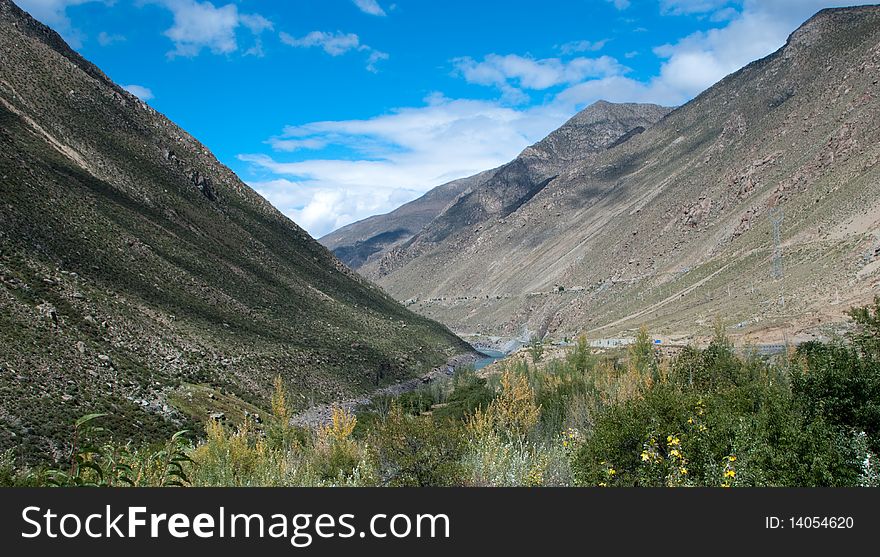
x=728, y=476
x=512, y=414
x=340, y=428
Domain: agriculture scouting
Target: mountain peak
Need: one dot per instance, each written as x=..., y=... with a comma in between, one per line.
x=596, y=127
x=674, y=225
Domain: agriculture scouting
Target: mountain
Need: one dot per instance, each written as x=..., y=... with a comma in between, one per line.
x=757, y=202
x=590, y=132
x=363, y=245
x=140, y=277
x=358, y=242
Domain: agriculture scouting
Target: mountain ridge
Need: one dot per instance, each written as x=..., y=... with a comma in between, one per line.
x=358, y=242
x=658, y=228
x=591, y=131
x=139, y=277
x=363, y=245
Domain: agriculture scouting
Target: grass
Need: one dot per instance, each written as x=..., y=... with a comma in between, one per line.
x=708, y=417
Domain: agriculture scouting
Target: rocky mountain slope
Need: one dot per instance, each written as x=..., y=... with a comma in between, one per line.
x=758, y=201
x=140, y=277
x=590, y=132
x=371, y=238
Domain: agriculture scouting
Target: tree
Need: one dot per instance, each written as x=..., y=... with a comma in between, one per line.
x=641, y=354
x=536, y=349
x=512, y=414
x=580, y=356
x=280, y=432
x=867, y=332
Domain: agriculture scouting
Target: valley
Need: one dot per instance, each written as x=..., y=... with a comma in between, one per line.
x=648, y=296
x=141, y=278
x=757, y=201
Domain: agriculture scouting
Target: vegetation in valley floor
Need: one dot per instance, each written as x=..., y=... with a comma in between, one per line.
x=704, y=418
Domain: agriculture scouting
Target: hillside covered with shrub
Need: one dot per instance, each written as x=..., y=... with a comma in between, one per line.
x=707, y=417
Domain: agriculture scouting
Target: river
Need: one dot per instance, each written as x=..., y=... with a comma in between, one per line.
x=488, y=356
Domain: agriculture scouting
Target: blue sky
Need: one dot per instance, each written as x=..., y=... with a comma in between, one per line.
x=339, y=109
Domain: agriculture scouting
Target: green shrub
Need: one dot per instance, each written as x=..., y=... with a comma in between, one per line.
x=866, y=335
x=841, y=386
x=469, y=395
x=417, y=450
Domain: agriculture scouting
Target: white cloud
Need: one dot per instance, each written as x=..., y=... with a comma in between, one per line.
x=106, y=39
x=699, y=60
x=574, y=47
x=529, y=73
x=255, y=23
x=374, y=58
x=291, y=145
x=371, y=7
x=619, y=4
x=394, y=157
x=336, y=44
x=725, y=14
x=321, y=210
x=54, y=14
x=202, y=25
x=139, y=91
x=681, y=7
x=199, y=25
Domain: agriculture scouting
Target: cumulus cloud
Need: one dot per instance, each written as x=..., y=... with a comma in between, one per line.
x=619, y=4
x=535, y=74
x=511, y=72
x=392, y=158
x=336, y=44
x=320, y=210
x=371, y=7
x=202, y=25
x=255, y=23
x=374, y=58
x=139, y=91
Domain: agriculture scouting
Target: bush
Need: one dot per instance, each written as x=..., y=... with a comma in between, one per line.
x=867, y=328
x=779, y=446
x=620, y=432
x=493, y=461
x=470, y=394
x=417, y=451
x=512, y=414
x=8, y=473
x=841, y=386
x=536, y=350
x=706, y=418
x=336, y=453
